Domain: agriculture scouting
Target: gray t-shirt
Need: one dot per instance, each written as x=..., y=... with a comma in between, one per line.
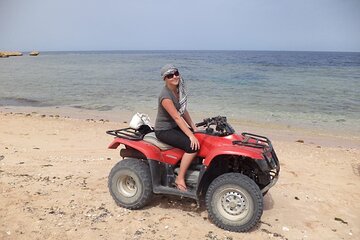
x=163, y=119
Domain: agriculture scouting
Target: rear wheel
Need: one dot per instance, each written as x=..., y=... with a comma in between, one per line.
x=234, y=202
x=130, y=183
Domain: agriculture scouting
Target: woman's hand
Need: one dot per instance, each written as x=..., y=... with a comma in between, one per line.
x=195, y=145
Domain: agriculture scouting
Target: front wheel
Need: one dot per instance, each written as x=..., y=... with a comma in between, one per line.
x=130, y=183
x=234, y=202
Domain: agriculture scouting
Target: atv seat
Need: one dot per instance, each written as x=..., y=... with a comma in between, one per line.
x=151, y=138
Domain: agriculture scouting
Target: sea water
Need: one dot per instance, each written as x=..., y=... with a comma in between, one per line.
x=305, y=89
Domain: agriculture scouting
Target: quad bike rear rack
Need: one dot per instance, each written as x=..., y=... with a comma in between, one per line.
x=127, y=133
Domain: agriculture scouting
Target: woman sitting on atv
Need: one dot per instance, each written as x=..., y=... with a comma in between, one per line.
x=173, y=120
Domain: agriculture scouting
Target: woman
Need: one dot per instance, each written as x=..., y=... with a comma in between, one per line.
x=173, y=121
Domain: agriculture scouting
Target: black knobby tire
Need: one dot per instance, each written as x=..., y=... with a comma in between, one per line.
x=234, y=202
x=130, y=183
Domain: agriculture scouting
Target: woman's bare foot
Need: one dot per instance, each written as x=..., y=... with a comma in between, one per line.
x=181, y=186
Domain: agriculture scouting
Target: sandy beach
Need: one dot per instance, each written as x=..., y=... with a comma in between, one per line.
x=53, y=183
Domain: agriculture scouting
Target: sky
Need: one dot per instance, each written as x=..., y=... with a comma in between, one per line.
x=274, y=25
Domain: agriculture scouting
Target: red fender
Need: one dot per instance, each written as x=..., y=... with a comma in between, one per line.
x=232, y=150
x=149, y=150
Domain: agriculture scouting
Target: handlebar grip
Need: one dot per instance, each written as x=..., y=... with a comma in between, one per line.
x=203, y=123
x=200, y=124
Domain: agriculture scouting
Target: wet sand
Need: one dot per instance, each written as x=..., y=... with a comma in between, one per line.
x=53, y=183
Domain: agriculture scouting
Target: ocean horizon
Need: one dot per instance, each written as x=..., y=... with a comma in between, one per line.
x=301, y=89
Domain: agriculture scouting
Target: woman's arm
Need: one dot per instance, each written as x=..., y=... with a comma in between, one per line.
x=170, y=108
x=189, y=121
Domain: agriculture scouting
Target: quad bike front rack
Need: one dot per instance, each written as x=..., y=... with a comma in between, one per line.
x=257, y=141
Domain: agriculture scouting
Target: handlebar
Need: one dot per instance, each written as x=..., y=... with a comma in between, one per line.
x=222, y=126
x=203, y=123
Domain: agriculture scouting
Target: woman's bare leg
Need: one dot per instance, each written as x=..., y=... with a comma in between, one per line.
x=184, y=165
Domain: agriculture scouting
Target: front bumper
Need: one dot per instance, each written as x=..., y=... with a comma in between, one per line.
x=270, y=164
x=273, y=168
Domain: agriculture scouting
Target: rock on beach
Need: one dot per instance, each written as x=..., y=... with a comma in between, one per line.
x=34, y=53
x=3, y=55
x=10, y=54
x=6, y=54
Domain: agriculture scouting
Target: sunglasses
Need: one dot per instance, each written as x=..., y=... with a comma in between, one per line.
x=172, y=75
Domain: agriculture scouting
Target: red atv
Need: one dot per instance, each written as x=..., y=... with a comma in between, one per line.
x=232, y=171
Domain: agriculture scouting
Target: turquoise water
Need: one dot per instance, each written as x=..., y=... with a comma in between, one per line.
x=307, y=89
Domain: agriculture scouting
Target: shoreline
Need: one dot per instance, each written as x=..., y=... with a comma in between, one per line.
x=306, y=92
x=274, y=131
